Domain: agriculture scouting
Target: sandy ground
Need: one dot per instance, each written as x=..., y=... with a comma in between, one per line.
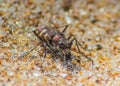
x=96, y=22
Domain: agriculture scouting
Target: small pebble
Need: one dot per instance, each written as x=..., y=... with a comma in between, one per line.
x=36, y=74
x=68, y=20
x=98, y=38
x=94, y=47
x=98, y=47
x=6, y=44
x=10, y=73
x=63, y=75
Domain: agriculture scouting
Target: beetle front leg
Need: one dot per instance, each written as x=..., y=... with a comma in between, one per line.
x=64, y=29
x=77, y=44
x=64, y=57
x=44, y=56
x=74, y=38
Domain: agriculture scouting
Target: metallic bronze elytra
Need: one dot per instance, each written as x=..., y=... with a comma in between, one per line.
x=54, y=40
x=54, y=37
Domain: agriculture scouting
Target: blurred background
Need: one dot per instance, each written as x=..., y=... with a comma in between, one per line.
x=97, y=22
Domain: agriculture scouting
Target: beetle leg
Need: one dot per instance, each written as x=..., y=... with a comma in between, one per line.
x=74, y=38
x=25, y=53
x=64, y=57
x=88, y=58
x=66, y=26
x=70, y=37
x=51, y=47
x=63, y=60
x=77, y=44
x=44, y=56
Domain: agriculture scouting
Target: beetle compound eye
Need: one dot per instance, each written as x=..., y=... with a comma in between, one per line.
x=61, y=44
x=70, y=44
